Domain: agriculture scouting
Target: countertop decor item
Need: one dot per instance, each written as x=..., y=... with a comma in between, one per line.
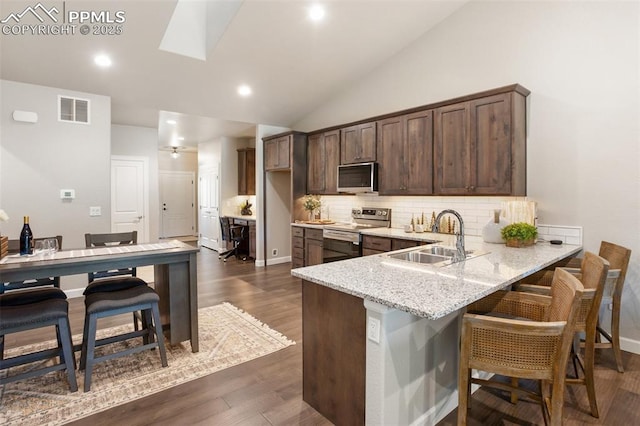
x=491, y=231
x=311, y=203
x=519, y=234
x=245, y=209
x=4, y=241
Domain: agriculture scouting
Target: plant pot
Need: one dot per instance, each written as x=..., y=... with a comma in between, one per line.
x=521, y=243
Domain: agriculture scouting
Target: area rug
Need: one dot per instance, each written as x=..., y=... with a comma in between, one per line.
x=228, y=337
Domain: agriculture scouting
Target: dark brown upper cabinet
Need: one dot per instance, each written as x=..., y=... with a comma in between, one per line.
x=323, y=158
x=277, y=153
x=480, y=146
x=247, y=171
x=358, y=143
x=405, y=154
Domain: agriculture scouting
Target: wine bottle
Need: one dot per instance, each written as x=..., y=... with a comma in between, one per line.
x=26, y=238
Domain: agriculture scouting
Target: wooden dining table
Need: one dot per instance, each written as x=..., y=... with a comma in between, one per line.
x=175, y=276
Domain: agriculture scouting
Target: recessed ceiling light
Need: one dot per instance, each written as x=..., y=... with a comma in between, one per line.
x=171, y=122
x=102, y=60
x=244, y=90
x=316, y=12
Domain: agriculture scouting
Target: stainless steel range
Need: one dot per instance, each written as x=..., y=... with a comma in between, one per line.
x=342, y=241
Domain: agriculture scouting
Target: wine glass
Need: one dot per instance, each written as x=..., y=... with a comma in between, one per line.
x=52, y=245
x=40, y=248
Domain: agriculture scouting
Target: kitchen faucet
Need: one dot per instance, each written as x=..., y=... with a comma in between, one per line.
x=461, y=254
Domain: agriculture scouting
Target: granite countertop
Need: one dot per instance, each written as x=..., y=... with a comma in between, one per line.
x=434, y=291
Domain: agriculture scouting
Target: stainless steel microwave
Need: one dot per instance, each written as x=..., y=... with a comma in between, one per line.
x=361, y=177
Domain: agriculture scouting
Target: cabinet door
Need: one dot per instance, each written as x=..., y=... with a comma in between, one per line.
x=418, y=153
x=331, y=161
x=277, y=153
x=451, y=149
x=490, y=134
x=246, y=172
x=391, y=157
x=358, y=143
x=313, y=252
x=316, y=164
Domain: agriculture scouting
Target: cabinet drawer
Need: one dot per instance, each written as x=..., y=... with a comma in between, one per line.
x=398, y=244
x=376, y=243
x=297, y=262
x=297, y=242
x=313, y=234
x=298, y=253
x=240, y=222
x=297, y=231
x=368, y=252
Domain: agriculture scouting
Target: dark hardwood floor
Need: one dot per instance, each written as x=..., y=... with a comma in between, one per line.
x=268, y=390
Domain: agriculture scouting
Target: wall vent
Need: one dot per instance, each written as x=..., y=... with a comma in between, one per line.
x=73, y=110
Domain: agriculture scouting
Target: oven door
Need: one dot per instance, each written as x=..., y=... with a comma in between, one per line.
x=334, y=250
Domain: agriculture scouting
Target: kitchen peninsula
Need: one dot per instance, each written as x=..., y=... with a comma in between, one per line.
x=391, y=327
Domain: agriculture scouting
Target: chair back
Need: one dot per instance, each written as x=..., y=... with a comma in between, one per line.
x=564, y=302
x=618, y=258
x=593, y=275
x=111, y=239
x=225, y=227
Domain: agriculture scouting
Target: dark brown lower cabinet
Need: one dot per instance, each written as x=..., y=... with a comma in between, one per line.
x=334, y=353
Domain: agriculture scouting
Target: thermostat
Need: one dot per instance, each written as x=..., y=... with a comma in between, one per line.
x=67, y=194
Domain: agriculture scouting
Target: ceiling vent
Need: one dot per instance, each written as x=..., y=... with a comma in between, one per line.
x=73, y=110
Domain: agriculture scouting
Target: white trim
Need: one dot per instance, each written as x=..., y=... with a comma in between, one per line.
x=630, y=345
x=277, y=260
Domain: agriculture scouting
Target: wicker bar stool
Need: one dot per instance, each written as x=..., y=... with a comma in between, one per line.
x=36, y=308
x=537, y=349
x=593, y=275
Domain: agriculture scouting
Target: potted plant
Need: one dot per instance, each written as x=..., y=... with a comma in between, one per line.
x=520, y=234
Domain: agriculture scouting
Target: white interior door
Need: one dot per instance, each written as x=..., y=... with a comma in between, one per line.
x=209, y=208
x=177, y=200
x=129, y=195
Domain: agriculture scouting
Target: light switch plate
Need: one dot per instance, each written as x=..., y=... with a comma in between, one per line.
x=95, y=211
x=373, y=330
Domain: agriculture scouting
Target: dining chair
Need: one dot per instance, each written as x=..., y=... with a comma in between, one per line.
x=535, y=349
x=22, y=310
x=593, y=275
x=14, y=247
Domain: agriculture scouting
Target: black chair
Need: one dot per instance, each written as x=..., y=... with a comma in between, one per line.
x=14, y=247
x=30, y=309
x=118, y=292
x=100, y=304
x=236, y=234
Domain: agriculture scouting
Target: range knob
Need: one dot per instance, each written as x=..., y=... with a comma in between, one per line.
x=384, y=212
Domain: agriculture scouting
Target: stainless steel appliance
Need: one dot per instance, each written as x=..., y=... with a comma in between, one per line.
x=362, y=177
x=343, y=241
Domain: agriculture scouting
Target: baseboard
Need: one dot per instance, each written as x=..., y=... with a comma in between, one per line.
x=74, y=292
x=278, y=260
x=630, y=345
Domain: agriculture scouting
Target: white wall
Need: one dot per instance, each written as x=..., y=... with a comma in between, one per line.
x=141, y=142
x=581, y=62
x=38, y=160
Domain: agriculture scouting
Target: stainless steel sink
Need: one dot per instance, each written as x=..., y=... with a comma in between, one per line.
x=434, y=255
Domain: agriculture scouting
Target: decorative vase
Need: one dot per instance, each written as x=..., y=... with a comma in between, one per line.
x=246, y=212
x=491, y=231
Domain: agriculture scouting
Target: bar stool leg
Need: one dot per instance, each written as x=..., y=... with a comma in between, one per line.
x=89, y=354
x=64, y=332
x=159, y=334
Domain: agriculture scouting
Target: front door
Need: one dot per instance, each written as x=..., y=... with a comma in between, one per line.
x=129, y=195
x=177, y=200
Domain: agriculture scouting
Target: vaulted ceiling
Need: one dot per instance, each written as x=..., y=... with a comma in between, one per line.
x=293, y=64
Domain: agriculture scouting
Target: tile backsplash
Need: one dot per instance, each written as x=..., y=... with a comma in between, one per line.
x=475, y=211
